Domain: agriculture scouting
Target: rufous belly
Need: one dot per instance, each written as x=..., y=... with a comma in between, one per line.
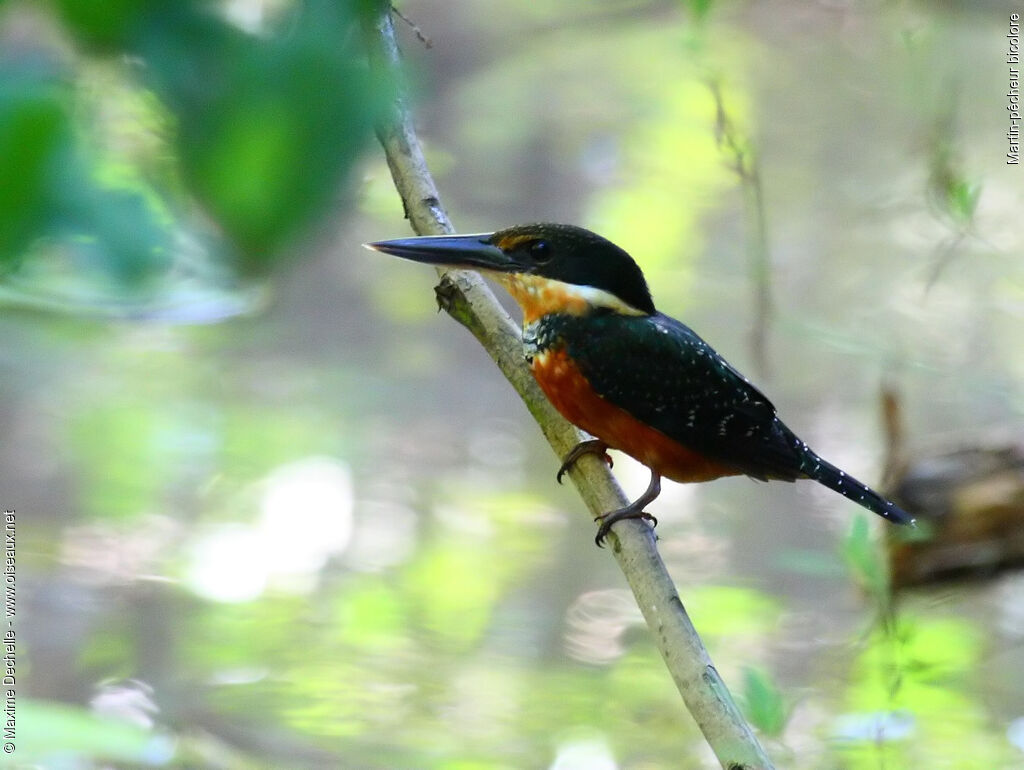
x=571, y=394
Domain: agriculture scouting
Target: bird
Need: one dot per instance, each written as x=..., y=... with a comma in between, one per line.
x=634, y=378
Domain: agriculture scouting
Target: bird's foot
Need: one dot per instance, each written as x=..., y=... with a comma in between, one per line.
x=592, y=446
x=635, y=510
x=629, y=512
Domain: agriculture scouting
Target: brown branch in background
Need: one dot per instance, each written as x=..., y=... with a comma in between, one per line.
x=466, y=298
x=895, y=463
x=742, y=159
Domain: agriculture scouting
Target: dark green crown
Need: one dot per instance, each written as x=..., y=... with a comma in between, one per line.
x=577, y=256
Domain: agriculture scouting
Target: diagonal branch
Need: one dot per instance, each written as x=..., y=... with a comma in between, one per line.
x=466, y=297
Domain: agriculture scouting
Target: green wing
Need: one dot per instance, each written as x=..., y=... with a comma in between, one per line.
x=660, y=371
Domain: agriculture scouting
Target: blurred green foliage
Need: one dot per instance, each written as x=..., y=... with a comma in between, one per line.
x=48, y=729
x=55, y=197
x=171, y=130
x=764, y=704
x=866, y=560
x=446, y=632
x=914, y=680
x=910, y=679
x=699, y=8
x=34, y=126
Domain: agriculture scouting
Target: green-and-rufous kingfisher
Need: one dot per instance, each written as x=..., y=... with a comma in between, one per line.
x=632, y=377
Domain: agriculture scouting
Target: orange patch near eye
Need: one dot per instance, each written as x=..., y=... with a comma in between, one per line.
x=512, y=242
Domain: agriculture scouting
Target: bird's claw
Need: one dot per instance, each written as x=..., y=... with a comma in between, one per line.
x=592, y=446
x=610, y=518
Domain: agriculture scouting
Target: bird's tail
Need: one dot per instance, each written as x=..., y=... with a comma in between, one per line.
x=826, y=473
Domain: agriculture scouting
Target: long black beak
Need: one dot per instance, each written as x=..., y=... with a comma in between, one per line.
x=464, y=251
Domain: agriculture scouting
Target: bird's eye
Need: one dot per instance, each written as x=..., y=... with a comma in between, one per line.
x=540, y=251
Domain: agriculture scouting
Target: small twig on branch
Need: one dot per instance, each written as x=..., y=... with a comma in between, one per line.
x=466, y=298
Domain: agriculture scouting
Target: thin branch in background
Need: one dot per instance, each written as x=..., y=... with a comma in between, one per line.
x=952, y=196
x=467, y=299
x=946, y=252
x=742, y=158
x=427, y=42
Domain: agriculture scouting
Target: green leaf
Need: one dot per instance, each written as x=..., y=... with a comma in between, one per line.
x=34, y=132
x=104, y=26
x=48, y=731
x=699, y=8
x=963, y=199
x=267, y=139
x=765, y=706
x=103, y=162
x=864, y=558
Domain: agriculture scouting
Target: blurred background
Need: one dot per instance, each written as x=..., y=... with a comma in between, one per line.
x=273, y=511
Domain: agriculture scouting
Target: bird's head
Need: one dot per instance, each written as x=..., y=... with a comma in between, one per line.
x=545, y=267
